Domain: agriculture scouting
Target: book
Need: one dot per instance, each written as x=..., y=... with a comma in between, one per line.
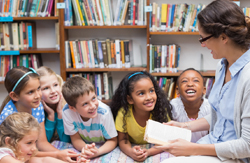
x=160, y=134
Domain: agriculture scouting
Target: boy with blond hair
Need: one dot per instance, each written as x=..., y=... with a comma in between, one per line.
x=86, y=119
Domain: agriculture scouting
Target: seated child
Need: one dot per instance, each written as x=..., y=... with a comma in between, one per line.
x=18, y=136
x=190, y=104
x=86, y=119
x=137, y=99
x=53, y=102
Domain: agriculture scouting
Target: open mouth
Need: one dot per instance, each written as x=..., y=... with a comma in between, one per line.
x=53, y=97
x=149, y=104
x=92, y=111
x=190, y=92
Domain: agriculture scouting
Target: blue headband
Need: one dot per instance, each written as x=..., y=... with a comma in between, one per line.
x=27, y=73
x=136, y=73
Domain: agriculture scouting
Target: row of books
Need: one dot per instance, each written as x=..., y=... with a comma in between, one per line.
x=246, y=11
x=164, y=58
x=99, y=54
x=26, y=60
x=174, y=17
x=102, y=82
x=168, y=85
x=28, y=8
x=16, y=36
x=100, y=12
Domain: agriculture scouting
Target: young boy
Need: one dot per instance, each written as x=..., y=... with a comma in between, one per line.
x=86, y=119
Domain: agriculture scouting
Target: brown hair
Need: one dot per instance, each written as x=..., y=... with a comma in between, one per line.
x=224, y=16
x=11, y=79
x=75, y=87
x=16, y=126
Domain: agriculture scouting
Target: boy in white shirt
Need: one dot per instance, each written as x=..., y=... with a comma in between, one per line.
x=86, y=119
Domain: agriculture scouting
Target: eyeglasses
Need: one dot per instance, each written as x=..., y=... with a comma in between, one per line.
x=201, y=40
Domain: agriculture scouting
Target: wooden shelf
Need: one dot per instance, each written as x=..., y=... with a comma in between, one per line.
x=208, y=73
x=174, y=33
x=105, y=69
x=1, y=82
x=40, y=50
x=107, y=27
x=36, y=18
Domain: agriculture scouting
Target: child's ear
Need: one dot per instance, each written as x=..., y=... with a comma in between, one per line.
x=72, y=108
x=130, y=100
x=177, y=90
x=7, y=140
x=204, y=91
x=14, y=96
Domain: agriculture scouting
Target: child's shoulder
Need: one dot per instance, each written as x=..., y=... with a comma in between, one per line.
x=103, y=109
x=177, y=103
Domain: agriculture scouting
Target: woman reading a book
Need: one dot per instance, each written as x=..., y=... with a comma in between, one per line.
x=225, y=31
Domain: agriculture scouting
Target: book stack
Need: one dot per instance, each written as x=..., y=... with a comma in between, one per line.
x=174, y=17
x=26, y=60
x=168, y=85
x=16, y=36
x=102, y=82
x=246, y=11
x=98, y=53
x=28, y=8
x=100, y=12
x=164, y=58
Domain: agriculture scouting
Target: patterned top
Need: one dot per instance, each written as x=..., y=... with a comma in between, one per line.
x=6, y=152
x=10, y=108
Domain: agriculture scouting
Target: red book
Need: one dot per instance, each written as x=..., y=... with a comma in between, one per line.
x=17, y=61
x=134, y=8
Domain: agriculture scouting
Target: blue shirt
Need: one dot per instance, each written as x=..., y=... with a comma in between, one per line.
x=10, y=108
x=222, y=99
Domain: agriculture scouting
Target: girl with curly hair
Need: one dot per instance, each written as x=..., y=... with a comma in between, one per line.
x=137, y=99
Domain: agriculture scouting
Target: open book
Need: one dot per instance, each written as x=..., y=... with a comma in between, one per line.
x=158, y=133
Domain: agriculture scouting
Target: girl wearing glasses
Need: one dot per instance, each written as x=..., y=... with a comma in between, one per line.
x=225, y=31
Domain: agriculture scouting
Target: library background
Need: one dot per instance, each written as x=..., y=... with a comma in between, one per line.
x=103, y=40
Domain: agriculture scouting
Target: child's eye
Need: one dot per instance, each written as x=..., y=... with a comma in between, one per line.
x=38, y=88
x=183, y=81
x=85, y=104
x=30, y=92
x=45, y=88
x=29, y=142
x=55, y=85
x=196, y=81
x=141, y=93
x=94, y=98
x=152, y=90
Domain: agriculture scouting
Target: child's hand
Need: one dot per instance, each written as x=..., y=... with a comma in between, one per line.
x=59, y=106
x=49, y=111
x=81, y=159
x=138, y=154
x=89, y=151
x=66, y=155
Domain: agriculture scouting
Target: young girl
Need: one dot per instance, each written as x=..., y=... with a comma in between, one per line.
x=190, y=104
x=18, y=135
x=53, y=103
x=23, y=86
x=137, y=99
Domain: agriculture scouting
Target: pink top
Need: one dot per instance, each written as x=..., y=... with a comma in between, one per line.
x=6, y=152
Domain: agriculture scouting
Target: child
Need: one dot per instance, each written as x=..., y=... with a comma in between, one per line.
x=190, y=104
x=86, y=119
x=137, y=99
x=23, y=86
x=18, y=135
x=53, y=103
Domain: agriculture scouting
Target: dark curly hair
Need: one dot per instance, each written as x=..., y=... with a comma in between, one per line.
x=224, y=16
x=162, y=107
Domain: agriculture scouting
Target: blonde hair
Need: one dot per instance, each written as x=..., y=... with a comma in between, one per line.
x=46, y=71
x=16, y=126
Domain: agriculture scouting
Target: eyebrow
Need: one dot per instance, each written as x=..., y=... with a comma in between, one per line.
x=143, y=90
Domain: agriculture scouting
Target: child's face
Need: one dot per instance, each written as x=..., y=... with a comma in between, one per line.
x=86, y=106
x=30, y=96
x=27, y=145
x=51, y=89
x=143, y=96
x=191, y=86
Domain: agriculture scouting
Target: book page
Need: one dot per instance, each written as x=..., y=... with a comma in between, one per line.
x=159, y=133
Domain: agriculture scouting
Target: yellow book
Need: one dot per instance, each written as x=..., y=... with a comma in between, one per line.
x=164, y=12
x=72, y=54
x=122, y=53
x=80, y=12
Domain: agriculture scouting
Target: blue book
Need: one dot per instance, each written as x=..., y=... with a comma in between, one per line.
x=131, y=13
x=90, y=58
x=169, y=17
x=120, y=12
x=172, y=16
x=10, y=9
x=92, y=11
x=195, y=19
x=30, y=35
x=178, y=57
x=66, y=13
x=70, y=12
x=150, y=18
x=25, y=2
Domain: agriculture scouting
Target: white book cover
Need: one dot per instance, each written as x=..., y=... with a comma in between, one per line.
x=15, y=35
x=106, y=87
x=116, y=11
x=99, y=87
x=107, y=12
x=67, y=54
x=35, y=61
x=158, y=133
x=118, y=55
x=21, y=35
x=83, y=54
x=91, y=53
x=100, y=13
x=110, y=12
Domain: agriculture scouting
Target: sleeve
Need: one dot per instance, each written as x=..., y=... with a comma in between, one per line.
x=49, y=128
x=6, y=152
x=238, y=148
x=119, y=121
x=68, y=121
x=108, y=128
x=60, y=130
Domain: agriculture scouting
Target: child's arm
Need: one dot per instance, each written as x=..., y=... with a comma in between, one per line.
x=50, y=123
x=60, y=130
x=44, y=145
x=136, y=152
x=8, y=159
x=77, y=141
